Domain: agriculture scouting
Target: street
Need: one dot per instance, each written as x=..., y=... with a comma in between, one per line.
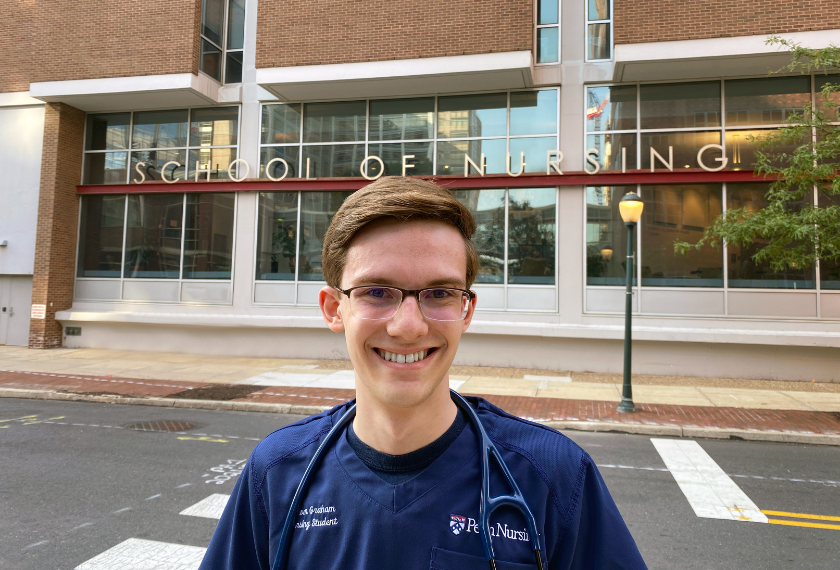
x=79, y=481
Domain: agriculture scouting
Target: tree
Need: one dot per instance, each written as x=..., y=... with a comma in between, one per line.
x=796, y=235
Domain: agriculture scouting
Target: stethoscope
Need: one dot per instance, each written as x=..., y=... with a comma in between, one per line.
x=487, y=506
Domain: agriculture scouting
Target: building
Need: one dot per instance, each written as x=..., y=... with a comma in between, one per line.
x=170, y=169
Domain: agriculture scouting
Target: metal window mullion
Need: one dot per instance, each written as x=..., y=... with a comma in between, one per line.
x=638, y=257
x=507, y=131
x=557, y=244
x=183, y=240
x=297, y=243
x=225, y=41
x=435, y=135
x=507, y=231
x=122, y=258
x=725, y=248
x=128, y=150
x=301, y=166
x=638, y=131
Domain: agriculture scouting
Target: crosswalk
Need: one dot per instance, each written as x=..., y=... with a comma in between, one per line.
x=710, y=492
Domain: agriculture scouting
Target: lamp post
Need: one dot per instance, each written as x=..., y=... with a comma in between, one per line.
x=630, y=207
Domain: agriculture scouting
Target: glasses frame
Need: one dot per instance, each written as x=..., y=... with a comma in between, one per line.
x=411, y=293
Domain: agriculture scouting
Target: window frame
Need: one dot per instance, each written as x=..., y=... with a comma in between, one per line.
x=538, y=27
x=587, y=23
x=223, y=49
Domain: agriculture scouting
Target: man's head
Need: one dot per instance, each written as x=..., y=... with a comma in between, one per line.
x=407, y=234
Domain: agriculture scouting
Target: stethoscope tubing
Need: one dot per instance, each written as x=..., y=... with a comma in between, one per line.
x=487, y=505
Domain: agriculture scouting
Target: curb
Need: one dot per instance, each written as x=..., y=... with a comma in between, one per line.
x=640, y=429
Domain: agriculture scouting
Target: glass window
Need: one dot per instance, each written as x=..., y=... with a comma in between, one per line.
x=820, y=81
x=611, y=108
x=216, y=126
x=334, y=122
x=598, y=47
x=107, y=131
x=743, y=271
x=533, y=112
x=105, y=168
x=220, y=43
x=679, y=213
x=741, y=147
x=548, y=44
x=402, y=119
x=101, y=236
x=155, y=160
x=277, y=235
x=236, y=24
x=531, y=231
x=280, y=124
x=233, y=67
x=765, y=101
x=488, y=208
x=211, y=60
x=318, y=209
x=680, y=105
x=472, y=116
x=613, y=149
x=208, y=241
x=599, y=9
x=450, y=158
x=686, y=145
x=536, y=153
x=548, y=12
x=606, y=236
x=329, y=161
x=391, y=155
x=212, y=20
x=829, y=270
x=287, y=153
x=216, y=160
x=153, y=236
x=159, y=129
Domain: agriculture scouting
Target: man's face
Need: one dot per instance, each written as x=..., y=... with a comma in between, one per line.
x=408, y=255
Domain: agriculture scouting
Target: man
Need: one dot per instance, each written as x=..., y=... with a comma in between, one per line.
x=400, y=487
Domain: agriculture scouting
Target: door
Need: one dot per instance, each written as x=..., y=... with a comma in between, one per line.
x=15, y=304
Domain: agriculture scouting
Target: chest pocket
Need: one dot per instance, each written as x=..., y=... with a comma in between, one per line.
x=449, y=560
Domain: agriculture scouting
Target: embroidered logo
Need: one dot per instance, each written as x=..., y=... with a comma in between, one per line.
x=457, y=524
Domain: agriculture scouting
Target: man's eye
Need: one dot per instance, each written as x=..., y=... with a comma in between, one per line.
x=376, y=293
x=440, y=293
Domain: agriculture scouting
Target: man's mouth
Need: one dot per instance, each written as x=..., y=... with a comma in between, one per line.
x=404, y=358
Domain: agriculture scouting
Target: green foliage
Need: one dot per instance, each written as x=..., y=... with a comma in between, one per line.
x=795, y=234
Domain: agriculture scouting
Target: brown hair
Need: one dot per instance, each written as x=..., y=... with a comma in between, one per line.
x=402, y=199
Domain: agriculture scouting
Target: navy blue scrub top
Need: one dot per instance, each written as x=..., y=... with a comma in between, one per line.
x=352, y=519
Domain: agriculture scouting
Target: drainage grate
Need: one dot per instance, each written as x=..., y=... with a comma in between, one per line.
x=164, y=425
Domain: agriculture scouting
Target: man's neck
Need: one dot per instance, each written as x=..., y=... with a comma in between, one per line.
x=397, y=431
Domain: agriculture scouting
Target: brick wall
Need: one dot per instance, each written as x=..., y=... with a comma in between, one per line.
x=660, y=21
x=293, y=32
x=56, y=40
x=58, y=214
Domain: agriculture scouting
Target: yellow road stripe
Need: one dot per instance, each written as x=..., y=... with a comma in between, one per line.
x=808, y=524
x=801, y=516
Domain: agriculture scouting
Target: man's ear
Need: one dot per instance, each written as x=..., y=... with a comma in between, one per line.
x=470, y=313
x=330, y=302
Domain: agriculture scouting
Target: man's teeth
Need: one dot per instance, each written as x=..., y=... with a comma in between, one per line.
x=403, y=358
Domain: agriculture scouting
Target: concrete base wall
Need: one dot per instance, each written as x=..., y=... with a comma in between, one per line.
x=578, y=355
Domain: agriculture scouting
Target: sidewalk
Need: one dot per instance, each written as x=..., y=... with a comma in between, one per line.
x=804, y=412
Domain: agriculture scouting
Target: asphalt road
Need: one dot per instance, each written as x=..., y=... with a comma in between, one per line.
x=76, y=482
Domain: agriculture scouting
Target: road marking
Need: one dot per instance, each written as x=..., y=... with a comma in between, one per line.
x=211, y=507
x=83, y=525
x=710, y=492
x=203, y=438
x=805, y=524
x=801, y=516
x=152, y=497
x=184, y=485
x=121, y=511
x=34, y=544
x=138, y=554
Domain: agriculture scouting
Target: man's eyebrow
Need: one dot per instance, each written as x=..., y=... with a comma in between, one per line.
x=376, y=280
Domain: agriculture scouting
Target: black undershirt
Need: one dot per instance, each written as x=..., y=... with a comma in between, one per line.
x=396, y=469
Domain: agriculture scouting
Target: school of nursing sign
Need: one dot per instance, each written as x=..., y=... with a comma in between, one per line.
x=553, y=160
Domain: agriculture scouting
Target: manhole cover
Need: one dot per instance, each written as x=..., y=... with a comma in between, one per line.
x=164, y=425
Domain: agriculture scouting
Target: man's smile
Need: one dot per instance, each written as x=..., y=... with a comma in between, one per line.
x=404, y=357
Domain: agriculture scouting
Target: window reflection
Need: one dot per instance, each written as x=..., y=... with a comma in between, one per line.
x=153, y=236
x=820, y=82
x=741, y=147
x=611, y=108
x=829, y=270
x=101, y=236
x=216, y=161
x=599, y=42
x=533, y=112
x=685, y=144
x=208, y=241
x=613, y=149
x=154, y=161
x=277, y=235
x=536, y=153
x=327, y=161
x=107, y=131
x=472, y=116
x=105, y=168
x=402, y=119
x=606, y=236
x=280, y=124
x=531, y=230
x=765, y=101
x=679, y=213
x=160, y=129
x=277, y=169
x=392, y=155
x=334, y=122
x=743, y=270
x=488, y=208
x=548, y=45
x=217, y=126
x=317, y=211
x=451, y=156
x=680, y=105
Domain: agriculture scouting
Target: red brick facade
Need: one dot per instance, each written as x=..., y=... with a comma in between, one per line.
x=289, y=34
x=56, y=40
x=58, y=216
x=637, y=22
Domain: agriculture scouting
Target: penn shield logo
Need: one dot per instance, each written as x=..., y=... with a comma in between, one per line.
x=457, y=524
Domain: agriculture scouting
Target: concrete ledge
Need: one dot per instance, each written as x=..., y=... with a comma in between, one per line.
x=673, y=431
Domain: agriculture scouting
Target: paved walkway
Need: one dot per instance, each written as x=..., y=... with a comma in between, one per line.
x=787, y=411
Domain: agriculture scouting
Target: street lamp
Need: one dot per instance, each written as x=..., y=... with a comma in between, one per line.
x=630, y=207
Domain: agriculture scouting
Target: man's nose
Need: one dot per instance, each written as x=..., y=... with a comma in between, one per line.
x=409, y=322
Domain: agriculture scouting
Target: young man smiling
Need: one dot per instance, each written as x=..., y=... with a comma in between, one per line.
x=401, y=486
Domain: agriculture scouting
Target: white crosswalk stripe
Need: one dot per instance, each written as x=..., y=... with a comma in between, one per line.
x=211, y=507
x=138, y=554
x=709, y=490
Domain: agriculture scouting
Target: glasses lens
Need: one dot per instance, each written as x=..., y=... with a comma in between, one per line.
x=375, y=302
x=443, y=304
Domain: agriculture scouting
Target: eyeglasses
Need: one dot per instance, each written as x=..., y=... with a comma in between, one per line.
x=374, y=302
